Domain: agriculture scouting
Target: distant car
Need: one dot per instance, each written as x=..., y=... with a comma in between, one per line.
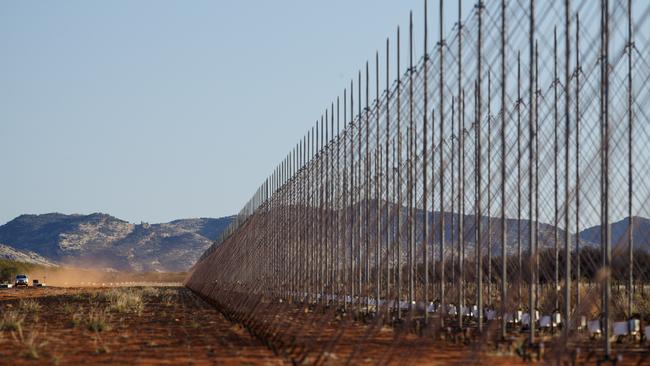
x=21, y=280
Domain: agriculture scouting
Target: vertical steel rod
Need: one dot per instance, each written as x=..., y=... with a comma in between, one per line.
x=607, y=239
x=567, y=132
x=411, y=179
x=398, y=246
x=577, y=164
x=367, y=196
x=556, y=233
x=461, y=171
x=425, y=209
x=531, y=130
x=520, y=266
x=504, y=227
x=489, y=190
x=388, y=225
x=630, y=129
x=359, y=208
x=479, y=212
x=441, y=183
x=378, y=208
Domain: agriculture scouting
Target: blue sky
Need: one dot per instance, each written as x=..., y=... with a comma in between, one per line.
x=157, y=110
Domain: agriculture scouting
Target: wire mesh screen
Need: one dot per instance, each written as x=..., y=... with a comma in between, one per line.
x=493, y=189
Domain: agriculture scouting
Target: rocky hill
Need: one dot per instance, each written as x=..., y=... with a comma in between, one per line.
x=102, y=241
x=12, y=254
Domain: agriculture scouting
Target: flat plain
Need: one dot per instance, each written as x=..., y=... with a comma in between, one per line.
x=120, y=326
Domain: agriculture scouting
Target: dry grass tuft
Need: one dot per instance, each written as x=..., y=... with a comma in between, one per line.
x=75, y=320
x=124, y=300
x=31, y=346
x=98, y=320
x=12, y=321
x=168, y=297
x=29, y=306
x=150, y=292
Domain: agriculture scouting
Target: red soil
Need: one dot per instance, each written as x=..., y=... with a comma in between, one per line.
x=188, y=331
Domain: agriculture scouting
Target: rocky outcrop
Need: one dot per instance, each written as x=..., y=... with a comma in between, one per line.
x=102, y=241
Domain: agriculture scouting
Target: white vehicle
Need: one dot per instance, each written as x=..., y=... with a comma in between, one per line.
x=21, y=280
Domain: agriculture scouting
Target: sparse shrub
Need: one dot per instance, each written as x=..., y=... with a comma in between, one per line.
x=29, y=305
x=12, y=321
x=97, y=320
x=128, y=302
x=123, y=300
x=151, y=292
x=79, y=296
x=31, y=345
x=74, y=321
x=100, y=346
x=168, y=297
x=68, y=308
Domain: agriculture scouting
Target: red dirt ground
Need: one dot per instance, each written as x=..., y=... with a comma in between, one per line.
x=186, y=331
x=176, y=327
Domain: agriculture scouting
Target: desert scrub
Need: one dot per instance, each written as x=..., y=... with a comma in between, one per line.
x=31, y=345
x=168, y=297
x=127, y=301
x=29, y=306
x=12, y=321
x=68, y=308
x=79, y=296
x=74, y=321
x=123, y=300
x=97, y=320
x=150, y=292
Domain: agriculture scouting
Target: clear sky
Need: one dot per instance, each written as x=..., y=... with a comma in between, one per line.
x=153, y=110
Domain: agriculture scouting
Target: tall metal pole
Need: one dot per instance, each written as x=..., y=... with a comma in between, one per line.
x=367, y=191
x=338, y=201
x=319, y=243
x=504, y=227
x=479, y=212
x=489, y=190
x=310, y=203
x=536, y=200
x=388, y=224
x=353, y=289
x=577, y=163
x=531, y=162
x=399, y=184
x=360, y=183
x=519, y=258
x=425, y=209
x=346, y=274
x=567, y=133
x=326, y=209
x=452, y=217
x=630, y=128
x=461, y=172
x=556, y=236
x=377, y=193
x=332, y=207
x=411, y=180
x=606, y=239
x=441, y=113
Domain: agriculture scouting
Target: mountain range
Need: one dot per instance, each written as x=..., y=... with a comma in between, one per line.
x=102, y=241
